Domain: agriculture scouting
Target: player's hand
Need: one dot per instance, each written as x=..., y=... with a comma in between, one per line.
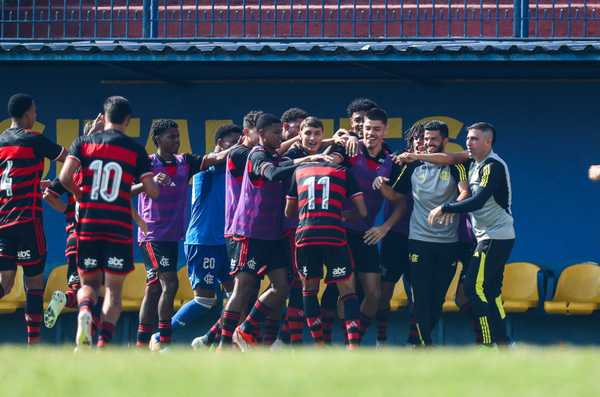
x=594, y=173
x=78, y=193
x=320, y=157
x=435, y=215
x=340, y=137
x=406, y=157
x=162, y=179
x=379, y=182
x=352, y=146
x=97, y=125
x=44, y=183
x=375, y=234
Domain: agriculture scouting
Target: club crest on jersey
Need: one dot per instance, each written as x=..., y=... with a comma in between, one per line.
x=165, y=262
x=445, y=175
x=116, y=263
x=23, y=255
x=251, y=264
x=90, y=262
x=338, y=271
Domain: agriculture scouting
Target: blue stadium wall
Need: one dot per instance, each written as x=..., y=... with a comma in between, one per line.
x=546, y=116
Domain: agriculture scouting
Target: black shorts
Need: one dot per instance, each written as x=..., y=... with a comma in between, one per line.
x=259, y=257
x=312, y=258
x=106, y=256
x=366, y=257
x=23, y=244
x=159, y=256
x=394, y=257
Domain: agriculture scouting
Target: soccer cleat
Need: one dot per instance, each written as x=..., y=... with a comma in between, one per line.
x=154, y=344
x=380, y=344
x=84, y=330
x=243, y=340
x=200, y=342
x=56, y=306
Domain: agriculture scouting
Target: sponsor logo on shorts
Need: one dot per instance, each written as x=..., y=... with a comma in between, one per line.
x=338, y=272
x=116, y=263
x=251, y=264
x=22, y=255
x=164, y=262
x=90, y=263
x=209, y=279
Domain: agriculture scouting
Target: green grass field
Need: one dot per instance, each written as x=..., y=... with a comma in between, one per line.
x=520, y=372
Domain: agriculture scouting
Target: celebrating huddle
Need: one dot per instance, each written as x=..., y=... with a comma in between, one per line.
x=273, y=199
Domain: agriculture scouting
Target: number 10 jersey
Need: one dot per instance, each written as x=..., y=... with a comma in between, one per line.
x=110, y=163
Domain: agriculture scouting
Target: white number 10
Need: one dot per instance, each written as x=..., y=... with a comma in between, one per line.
x=102, y=174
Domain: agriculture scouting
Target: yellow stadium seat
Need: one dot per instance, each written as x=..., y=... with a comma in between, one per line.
x=399, y=298
x=577, y=291
x=133, y=288
x=57, y=280
x=450, y=301
x=184, y=292
x=15, y=299
x=520, y=287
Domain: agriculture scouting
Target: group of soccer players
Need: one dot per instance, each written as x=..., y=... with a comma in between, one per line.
x=273, y=199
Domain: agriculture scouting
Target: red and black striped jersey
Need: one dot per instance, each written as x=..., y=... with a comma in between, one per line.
x=321, y=189
x=22, y=155
x=58, y=189
x=110, y=163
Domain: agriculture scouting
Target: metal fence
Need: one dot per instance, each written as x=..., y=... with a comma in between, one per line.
x=293, y=19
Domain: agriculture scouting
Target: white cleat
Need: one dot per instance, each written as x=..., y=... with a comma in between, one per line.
x=154, y=344
x=55, y=307
x=84, y=330
x=200, y=343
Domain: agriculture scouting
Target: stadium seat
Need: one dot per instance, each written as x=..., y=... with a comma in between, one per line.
x=399, y=298
x=450, y=301
x=577, y=291
x=15, y=299
x=520, y=290
x=57, y=280
x=133, y=288
x=184, y=292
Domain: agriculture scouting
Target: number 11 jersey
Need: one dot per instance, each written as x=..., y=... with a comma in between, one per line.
x=110, y=163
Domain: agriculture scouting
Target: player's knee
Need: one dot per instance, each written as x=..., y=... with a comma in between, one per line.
x=282, y=290
x=170, y=286
x=7, y=285
x=153, y=290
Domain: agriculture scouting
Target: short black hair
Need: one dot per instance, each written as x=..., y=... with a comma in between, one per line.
x=437, y=125
x=266, y=120
x=117, y=109
x=311, y=122
x=360, y=105
x=228, y=129
x=158, y=127
x=293, y=114
x=377, y=114
x=19, y=104
x=484, y=127
x=251, y=118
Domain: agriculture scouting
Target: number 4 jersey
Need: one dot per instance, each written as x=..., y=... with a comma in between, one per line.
x=321, y=189
x=22, y=156
x=110, y=163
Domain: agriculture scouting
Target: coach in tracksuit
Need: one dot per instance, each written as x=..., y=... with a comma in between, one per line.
x=432, y=249
x=490, y=209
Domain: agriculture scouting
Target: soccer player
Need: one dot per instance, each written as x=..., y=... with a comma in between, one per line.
x=52, y=195
x=205, y=250
x=257, y=226
x=394, y=246
x=594, y=173
x=373, y=160
x=165, y=218
x=432, y=248
x=311, y=142
x=491, y=216
x=318, y=191
x=22, y=240
x=110, y=163
x=291, y=120
x=356, y=110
